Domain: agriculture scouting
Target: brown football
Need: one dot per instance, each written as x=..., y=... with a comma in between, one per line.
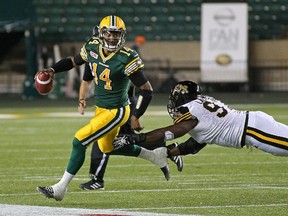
x=43, y=83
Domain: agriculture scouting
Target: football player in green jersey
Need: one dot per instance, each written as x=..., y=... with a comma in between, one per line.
x=113, y=68
x=99, y=160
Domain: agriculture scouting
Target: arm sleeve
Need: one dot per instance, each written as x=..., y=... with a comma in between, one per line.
x=138, y=78
x=67, y=64
x=63, y=65
x=79, y=60
x=144, y=99
x=88, y=75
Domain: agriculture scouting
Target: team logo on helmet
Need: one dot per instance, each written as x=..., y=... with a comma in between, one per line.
x=181, y=89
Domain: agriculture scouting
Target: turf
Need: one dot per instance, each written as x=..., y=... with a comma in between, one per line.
x=35, y=148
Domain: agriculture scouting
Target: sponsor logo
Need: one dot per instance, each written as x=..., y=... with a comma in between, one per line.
x=94, y=55
x=224, y=16
x=223, y=59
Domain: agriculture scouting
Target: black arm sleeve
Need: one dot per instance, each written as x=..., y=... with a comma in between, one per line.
x=87, y=76
x=144, y=98
x=63, y=65
x=138, y=78
x=78, y=60
x=67, y=64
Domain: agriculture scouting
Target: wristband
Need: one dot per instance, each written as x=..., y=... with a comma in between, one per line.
x=168, y=136
x=82, y=103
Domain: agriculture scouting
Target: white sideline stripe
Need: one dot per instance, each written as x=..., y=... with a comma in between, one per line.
x=89, y=114
x=211, y=207
x=247, y=187
x=26, y=210
x=8, y=116
x=69, y=114
x=162, y=112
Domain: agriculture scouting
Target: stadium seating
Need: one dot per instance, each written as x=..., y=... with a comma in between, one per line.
x=156, y=19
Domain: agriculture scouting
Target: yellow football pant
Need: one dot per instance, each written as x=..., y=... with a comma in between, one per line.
x=104, y=127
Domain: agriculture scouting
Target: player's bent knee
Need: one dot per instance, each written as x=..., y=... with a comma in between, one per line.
x=77, y=144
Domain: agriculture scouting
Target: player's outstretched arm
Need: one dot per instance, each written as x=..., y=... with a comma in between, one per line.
x=170, y=132
x=157, y=135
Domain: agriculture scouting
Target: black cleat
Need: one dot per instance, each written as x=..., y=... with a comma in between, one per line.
x=178, y=160
x=46, y=191
x=49, y=193
x=166, y=172
x=93, y=184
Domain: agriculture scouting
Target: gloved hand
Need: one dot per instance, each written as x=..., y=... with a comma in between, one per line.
x=128, y=139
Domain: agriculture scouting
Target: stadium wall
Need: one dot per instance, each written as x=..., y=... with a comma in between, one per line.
x=268, y=62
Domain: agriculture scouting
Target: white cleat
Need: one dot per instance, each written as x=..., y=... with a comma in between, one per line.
x=51, y=192
x=160, y=157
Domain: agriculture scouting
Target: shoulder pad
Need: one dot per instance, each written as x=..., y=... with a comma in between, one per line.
x=182, y=114
x=93, y=40
x=130, y=53
x=131, y=59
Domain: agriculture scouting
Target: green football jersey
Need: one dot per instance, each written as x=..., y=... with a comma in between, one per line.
x=110, y=72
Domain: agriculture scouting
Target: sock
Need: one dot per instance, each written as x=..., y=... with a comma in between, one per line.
x=155, y=156
x=147, y=155
x=65, y=180
x=77, y=157
x=129, y=150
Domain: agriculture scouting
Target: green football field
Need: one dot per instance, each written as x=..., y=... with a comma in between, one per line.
x=35, y=145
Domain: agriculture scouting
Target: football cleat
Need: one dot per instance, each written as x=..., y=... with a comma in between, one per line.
x=166, y=172
x=178, y=160
x=160, y=157
x=49, y=192
x=93, y=184
x=160, y=160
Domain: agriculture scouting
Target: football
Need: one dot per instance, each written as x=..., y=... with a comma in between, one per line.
x=43, y=82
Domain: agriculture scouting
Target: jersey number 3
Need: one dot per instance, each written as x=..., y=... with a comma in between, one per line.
x=221, y=112
x=104, y=76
